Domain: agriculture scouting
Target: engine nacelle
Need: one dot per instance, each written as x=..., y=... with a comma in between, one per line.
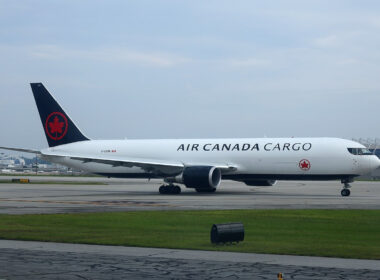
x=260, y=183
x=201, y=177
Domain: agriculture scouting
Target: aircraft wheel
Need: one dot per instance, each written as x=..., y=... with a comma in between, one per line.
x=169, y=189
x=345, y=192
x=163, y=189
x=176, y=190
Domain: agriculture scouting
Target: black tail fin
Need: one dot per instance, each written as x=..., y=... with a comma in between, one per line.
x=58, y=127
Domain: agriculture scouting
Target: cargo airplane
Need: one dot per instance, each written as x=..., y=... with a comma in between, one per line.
x=200, y=164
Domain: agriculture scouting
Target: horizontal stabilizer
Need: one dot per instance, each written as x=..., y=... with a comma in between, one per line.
x=22, y=150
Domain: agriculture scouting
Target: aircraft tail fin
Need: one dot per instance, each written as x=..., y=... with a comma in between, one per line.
x=59, y=128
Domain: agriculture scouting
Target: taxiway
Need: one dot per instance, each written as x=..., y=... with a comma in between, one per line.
x=135, y=195
x=40, y=260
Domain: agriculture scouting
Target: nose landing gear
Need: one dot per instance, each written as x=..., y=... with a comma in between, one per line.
x=346, y=188
x=345, y=192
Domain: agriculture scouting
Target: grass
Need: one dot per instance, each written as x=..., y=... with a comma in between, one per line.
x=332, y=233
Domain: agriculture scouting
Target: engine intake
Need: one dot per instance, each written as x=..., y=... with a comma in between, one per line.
x=201, y=177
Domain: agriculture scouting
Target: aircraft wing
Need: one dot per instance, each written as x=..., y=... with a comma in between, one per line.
x=22, y=150
x=157, y=167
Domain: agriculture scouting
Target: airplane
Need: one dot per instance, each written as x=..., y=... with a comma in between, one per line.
x=200, y=164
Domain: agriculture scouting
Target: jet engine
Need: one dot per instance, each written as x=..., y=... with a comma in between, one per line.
x=260, y=183
x=201, y=178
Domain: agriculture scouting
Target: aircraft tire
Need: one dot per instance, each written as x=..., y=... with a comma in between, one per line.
x=345, y=192
x=176, y=190
x=169, y=189
x=163, y=189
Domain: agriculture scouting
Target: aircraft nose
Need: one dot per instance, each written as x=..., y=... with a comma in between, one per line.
x=375, y=163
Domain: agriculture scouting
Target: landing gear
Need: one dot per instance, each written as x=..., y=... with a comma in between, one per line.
x=346, y=191
x=169, y=189
x=206, y=190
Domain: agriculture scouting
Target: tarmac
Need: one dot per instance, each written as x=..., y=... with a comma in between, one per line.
x=137, y=195
x=39, y=260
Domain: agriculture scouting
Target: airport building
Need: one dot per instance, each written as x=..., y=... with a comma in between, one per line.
x=13, y=164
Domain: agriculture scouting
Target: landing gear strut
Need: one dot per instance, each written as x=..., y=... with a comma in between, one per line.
x=170, y=189
x=346, y=188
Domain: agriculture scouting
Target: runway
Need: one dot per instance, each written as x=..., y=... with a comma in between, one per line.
x=137, y=195
x=39, y=260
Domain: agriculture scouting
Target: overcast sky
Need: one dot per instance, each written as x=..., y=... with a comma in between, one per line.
x=192, y=69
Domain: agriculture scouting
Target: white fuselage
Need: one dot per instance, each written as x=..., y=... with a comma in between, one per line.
x=256, y=158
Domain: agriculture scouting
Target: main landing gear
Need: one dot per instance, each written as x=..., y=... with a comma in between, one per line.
x=169, y=189
x=346, y=188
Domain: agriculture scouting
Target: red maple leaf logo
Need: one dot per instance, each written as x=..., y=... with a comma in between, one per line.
x=56, y=126
x=304, y=164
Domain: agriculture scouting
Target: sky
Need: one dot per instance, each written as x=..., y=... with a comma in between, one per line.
x=192, y=69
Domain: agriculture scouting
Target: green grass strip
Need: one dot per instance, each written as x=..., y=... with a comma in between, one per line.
x=332, y=233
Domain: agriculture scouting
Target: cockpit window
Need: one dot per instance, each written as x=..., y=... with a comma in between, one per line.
x=359, y=151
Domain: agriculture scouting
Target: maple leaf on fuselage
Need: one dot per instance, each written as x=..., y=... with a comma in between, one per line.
x=304, y=165
x=56, y=126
